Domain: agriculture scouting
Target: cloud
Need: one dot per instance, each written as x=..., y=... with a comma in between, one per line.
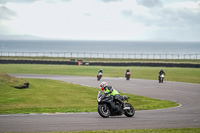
x=127, y=12
x=30, y=1
x=182, y=15
x=6, y=13
x=176, y=21
x=150, y=3
x=100, y=19
x=3, y=1
x=16, y=1
x=111, y=0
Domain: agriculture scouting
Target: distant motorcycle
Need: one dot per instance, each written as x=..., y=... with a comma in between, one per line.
x=161, y=78
x=105, y=109
x=128, y=75
x=99, y=76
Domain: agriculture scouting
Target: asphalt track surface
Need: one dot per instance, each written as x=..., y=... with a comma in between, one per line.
x=187, y=114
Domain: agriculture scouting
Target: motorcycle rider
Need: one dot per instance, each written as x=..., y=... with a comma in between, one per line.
x=160, y=73
x=100, y=71
x=127, y=71
x=109, y=90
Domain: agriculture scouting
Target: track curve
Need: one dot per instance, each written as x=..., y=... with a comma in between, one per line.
x=186, y=115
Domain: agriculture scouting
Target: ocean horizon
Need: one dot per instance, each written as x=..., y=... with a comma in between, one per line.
x=122, y=47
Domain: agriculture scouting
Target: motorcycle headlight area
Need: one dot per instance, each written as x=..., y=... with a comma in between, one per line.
x=99, y=99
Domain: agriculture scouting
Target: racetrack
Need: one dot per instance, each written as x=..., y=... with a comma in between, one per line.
x=186, y=115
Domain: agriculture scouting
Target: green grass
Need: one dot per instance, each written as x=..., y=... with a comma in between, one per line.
x=189, y=61
x=50, y=96
x=167, y=130
x=190, y=75
x=11, y=81
x=172, y=130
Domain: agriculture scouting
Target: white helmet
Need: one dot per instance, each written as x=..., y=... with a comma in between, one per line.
x=103, y=85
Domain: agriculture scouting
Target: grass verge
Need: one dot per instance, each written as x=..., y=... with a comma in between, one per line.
x=177, y=61
x=50, y=96
x=171, y=130
x=11, y=81
x=190, y=75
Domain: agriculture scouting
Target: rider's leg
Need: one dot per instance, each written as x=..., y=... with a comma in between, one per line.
x=117, y=97
x=113, y=105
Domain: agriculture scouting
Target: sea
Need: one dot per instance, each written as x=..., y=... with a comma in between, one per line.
x=101, y=47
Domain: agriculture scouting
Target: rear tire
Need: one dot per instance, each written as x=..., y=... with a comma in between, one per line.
x=104, y=110
x=129, y=112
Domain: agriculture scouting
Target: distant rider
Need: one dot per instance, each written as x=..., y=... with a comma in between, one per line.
x=100, y=71
x=109, y=90
x=126, y=72
x=160, y=73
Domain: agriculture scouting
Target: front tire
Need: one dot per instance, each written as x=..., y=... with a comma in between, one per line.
x=104, y=110
x=99, y=77
x=127, y=77
x=129, y=112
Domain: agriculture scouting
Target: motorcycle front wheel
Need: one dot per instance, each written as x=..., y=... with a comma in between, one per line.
x=162, y=80
x=104, y=110
x=129, y=112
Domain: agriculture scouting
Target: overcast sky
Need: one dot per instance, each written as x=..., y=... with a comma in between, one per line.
x=157, y=20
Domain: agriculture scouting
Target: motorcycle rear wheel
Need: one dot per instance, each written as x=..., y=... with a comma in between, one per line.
x=129, y=112
x=104, y=110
